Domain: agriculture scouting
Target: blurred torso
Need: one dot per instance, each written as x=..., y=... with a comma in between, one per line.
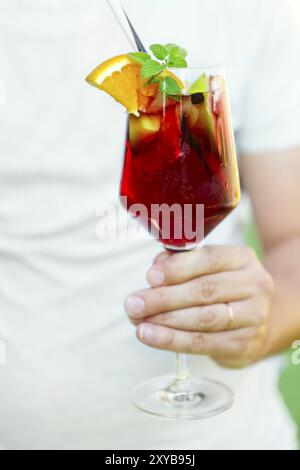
x=72, y=358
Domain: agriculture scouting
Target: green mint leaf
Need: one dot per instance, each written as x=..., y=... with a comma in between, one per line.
x=171, y=46
x=151, y=68
x=140, y=57
x=169, y=86
x=159, y=51
x=177, y=62
x=183, y=52
x=175, y=51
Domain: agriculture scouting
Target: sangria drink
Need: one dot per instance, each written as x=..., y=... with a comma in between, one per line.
x=180, y=151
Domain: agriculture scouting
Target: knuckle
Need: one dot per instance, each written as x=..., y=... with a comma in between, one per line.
x=207, y=318
x=197, y=343
x=207, y=290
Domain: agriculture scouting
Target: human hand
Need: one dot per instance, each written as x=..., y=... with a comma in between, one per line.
x=214, y=301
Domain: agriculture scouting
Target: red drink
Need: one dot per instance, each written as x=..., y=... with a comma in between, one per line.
x=181, y=151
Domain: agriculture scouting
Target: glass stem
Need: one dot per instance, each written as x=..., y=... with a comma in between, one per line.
x=182, y=373
x=182, y=370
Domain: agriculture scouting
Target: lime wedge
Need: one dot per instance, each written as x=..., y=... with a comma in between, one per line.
x=200, y=86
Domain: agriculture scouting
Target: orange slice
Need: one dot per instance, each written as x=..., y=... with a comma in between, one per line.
x=119, y=78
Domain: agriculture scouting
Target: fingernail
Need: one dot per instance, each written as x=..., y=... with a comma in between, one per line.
x=146, y=333
x=155, y=278
x=135, y=305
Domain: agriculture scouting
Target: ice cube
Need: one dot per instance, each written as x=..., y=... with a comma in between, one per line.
x=216, y=83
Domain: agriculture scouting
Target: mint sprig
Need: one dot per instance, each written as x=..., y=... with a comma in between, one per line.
x=168, y=56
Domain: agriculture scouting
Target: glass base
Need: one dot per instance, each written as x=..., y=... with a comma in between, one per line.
x=185, y=400
x=182, y=249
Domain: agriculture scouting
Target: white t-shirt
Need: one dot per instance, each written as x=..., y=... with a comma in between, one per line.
x=71, y=353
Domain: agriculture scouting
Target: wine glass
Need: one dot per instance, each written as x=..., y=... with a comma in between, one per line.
x=181, y=180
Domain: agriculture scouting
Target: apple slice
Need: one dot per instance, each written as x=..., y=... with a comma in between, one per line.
x=143, y=129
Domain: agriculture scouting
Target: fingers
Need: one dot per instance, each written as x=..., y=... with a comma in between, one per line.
x=207, y=290
x=181, y=267
x=212, y=318
x=225, y=344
